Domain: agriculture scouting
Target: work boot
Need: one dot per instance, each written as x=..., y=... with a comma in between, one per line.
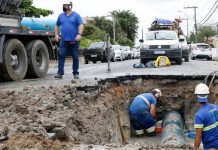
x=76, y=76
x=58, y=76
x=152, y=134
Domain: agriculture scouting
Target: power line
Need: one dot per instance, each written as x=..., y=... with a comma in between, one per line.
x=212, y=9
x=209, y=16
x=204, y=6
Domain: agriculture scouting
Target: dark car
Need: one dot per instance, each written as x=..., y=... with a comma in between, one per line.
x=97, y=52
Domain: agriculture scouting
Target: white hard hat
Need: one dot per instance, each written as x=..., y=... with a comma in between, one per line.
x=157, y=92
x=202, y=89
x=67, y=2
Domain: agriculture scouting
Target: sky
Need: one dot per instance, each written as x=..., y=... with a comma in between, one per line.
x=145, y=10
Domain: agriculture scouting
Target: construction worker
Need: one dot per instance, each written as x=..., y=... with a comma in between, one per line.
x=206, y=120
x=142, y=112
x=68, y=31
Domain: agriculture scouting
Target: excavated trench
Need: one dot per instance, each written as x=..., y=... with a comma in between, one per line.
x=85, y=117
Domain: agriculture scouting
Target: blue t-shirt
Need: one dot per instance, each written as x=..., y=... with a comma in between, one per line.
x=207, y=119
x=69, y=26
x=139, y=105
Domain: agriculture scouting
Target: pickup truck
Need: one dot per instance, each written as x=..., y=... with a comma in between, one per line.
x=97, y=52
x=161, y=43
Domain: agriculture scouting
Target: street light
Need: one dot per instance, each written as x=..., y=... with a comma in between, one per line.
x=114, y=26
x=188, y=17
x=196, y=30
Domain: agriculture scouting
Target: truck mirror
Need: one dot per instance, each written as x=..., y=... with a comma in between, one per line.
x=141, y=40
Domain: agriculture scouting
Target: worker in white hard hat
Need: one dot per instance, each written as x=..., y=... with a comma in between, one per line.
x=70, y=25
x=206, y=120
x=142, y=112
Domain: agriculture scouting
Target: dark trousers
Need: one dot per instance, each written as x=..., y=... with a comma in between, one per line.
x=65, y=48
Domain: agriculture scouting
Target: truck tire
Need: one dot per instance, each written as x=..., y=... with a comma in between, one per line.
x=38, y=59
x=186, y=58
x=179, y=61
x=14, y=66
x=143, y=61
x=86, y=61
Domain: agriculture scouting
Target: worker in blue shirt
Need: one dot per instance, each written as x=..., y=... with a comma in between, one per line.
x=70, y=24
x=206, y=120
x=142, y=112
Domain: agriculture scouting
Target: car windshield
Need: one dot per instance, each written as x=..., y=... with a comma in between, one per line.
x=203, y=46
x=161, y=35
x=96, y=45
x=114, y=47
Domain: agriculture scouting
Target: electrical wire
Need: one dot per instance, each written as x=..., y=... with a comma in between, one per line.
x=209, y=14
x=204, y=6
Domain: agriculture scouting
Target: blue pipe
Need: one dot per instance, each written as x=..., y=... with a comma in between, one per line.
x=173, y=133
x=46, y=24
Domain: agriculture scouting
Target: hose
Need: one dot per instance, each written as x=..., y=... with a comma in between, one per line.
x=213, y=74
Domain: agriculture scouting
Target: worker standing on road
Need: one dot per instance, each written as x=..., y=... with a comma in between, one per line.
x=142, y=112
x=206, y=120
x=71, y=26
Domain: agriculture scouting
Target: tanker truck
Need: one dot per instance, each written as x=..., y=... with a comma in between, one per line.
x=24, y=51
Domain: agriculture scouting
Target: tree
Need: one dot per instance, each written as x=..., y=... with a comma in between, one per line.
x=29, y=11
x=205, y=32
x=128, y=23
x=103, y=24
x=192, y=37
x=125, y=41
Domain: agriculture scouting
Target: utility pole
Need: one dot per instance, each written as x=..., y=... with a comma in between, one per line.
x=196, y=30
x=186, y=25
x=142, y=34
x=114, y=32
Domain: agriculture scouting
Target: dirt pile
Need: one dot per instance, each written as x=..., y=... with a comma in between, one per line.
x=59, y=117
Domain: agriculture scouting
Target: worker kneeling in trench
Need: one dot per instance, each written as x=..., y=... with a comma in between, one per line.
x=142, y=112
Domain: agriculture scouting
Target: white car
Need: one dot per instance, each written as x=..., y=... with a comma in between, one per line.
x=136, y=53
x=202, y=50
x=119, y=55
x=124, y=50
x=129, y=52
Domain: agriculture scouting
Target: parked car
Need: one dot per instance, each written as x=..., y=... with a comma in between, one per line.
x=128, y=51
x=123, y=48
x=185, y=48
x=136, y=52
x=119, y=54
x=97, y=52
x=202, y=50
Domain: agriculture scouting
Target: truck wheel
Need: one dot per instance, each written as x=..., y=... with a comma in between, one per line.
x=94, y=62
x=38, y=59
x=15, y=63
x=143, y=61
x=86, y=61
x=186, y=58
x=179, y=61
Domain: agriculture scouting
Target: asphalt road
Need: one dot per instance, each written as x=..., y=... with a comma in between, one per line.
x=90, y=73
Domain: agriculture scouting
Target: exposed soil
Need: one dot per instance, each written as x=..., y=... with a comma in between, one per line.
x=66, y=117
